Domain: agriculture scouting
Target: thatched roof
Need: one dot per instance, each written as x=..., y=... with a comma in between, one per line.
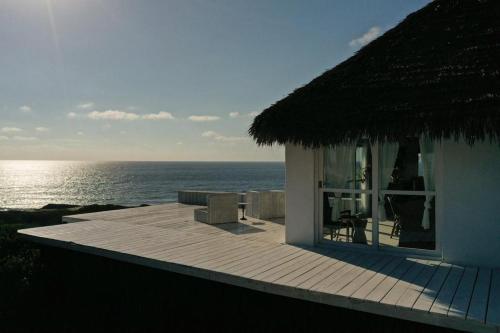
x=436, y=73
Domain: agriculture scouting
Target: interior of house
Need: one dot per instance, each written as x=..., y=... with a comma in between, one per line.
x=405, y=191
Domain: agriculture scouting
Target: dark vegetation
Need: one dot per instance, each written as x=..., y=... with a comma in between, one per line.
x=53, y=290
x=20, y=261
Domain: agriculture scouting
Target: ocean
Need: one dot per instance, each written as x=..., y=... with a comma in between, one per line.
x=33, y=184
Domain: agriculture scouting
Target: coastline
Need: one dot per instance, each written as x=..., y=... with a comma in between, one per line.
x=50, y=214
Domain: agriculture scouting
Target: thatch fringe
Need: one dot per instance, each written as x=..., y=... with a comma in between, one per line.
x=437, y=73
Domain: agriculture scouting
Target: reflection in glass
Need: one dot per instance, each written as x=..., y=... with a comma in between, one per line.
x=407, y=166
x=347, y=217
x=348, y=166
x=405, y=219
x=404, y=225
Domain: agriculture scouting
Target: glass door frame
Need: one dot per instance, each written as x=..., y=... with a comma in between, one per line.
x=374, y=192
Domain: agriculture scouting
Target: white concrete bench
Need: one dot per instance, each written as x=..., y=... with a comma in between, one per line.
x=190, y=197
x=221, y=208
x=266, y=204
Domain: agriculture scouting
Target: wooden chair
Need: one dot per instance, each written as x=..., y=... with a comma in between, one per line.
x=396, y=227
x=335, y=227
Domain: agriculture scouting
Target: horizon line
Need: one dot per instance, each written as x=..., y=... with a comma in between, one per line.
x=177, y=161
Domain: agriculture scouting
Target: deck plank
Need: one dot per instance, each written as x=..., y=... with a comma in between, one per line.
x=462, y=298
x=379, y=292
x=226, y=267
x=325, y=269
x=352, y=274
x=430, y=292
x=289, y=267
x=397, y=291
x=479, y=301
x=337, y=274
x=292, y=277
x=261, y=264
x=369, y=286
x=356, y=283
x=411, y=294
x=251, y=254
x=445, y=296
x=493, y=316
x=237, y=257
x=270, y=265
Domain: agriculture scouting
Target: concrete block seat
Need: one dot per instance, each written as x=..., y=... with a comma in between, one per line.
x=266, y=204
x=221, y=208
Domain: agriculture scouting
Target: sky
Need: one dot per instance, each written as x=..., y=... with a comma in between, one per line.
x=166, y=80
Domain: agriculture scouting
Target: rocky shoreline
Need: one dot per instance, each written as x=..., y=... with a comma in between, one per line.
x=51, y=213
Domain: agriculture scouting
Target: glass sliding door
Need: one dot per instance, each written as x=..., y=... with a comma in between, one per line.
x=406, y=193
x=381, y=194
x=347, y=194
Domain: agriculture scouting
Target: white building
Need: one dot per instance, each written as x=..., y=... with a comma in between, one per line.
x=461, y=224
x=397, y=148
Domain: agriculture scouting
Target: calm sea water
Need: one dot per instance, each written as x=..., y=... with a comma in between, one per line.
x=33, y=184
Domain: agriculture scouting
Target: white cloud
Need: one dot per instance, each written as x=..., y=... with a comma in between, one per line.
x=41, y=129
x=367, y=37
x=25, y=138
x=238, y=115
x=11, y=129
x=218, y=137
x=162, y=115
x=209, y=134
x=80, y=133
x=112, y=115
x=25, y=108
x=122, y=115
x=203, y=118
x=3, y=138
x=85, y=106
x=180, y=143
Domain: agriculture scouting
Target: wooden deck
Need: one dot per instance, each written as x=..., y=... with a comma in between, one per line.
x=253, y=255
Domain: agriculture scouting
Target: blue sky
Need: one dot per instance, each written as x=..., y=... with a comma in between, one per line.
x=165, y=80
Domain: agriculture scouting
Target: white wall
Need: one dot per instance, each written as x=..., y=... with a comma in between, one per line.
x=300, y=192
x=470, y=229
x=469, y=196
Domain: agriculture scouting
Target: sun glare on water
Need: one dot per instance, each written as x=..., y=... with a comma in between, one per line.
x=28, y=183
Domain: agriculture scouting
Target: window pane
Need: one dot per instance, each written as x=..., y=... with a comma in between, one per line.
x=407, y=165
x=409, y=221
x=347, y=217
x=348, y=166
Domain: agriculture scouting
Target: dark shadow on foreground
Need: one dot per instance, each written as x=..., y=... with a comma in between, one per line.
x=81, y=293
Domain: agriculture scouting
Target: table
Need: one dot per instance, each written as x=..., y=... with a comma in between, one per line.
x=242, y=205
